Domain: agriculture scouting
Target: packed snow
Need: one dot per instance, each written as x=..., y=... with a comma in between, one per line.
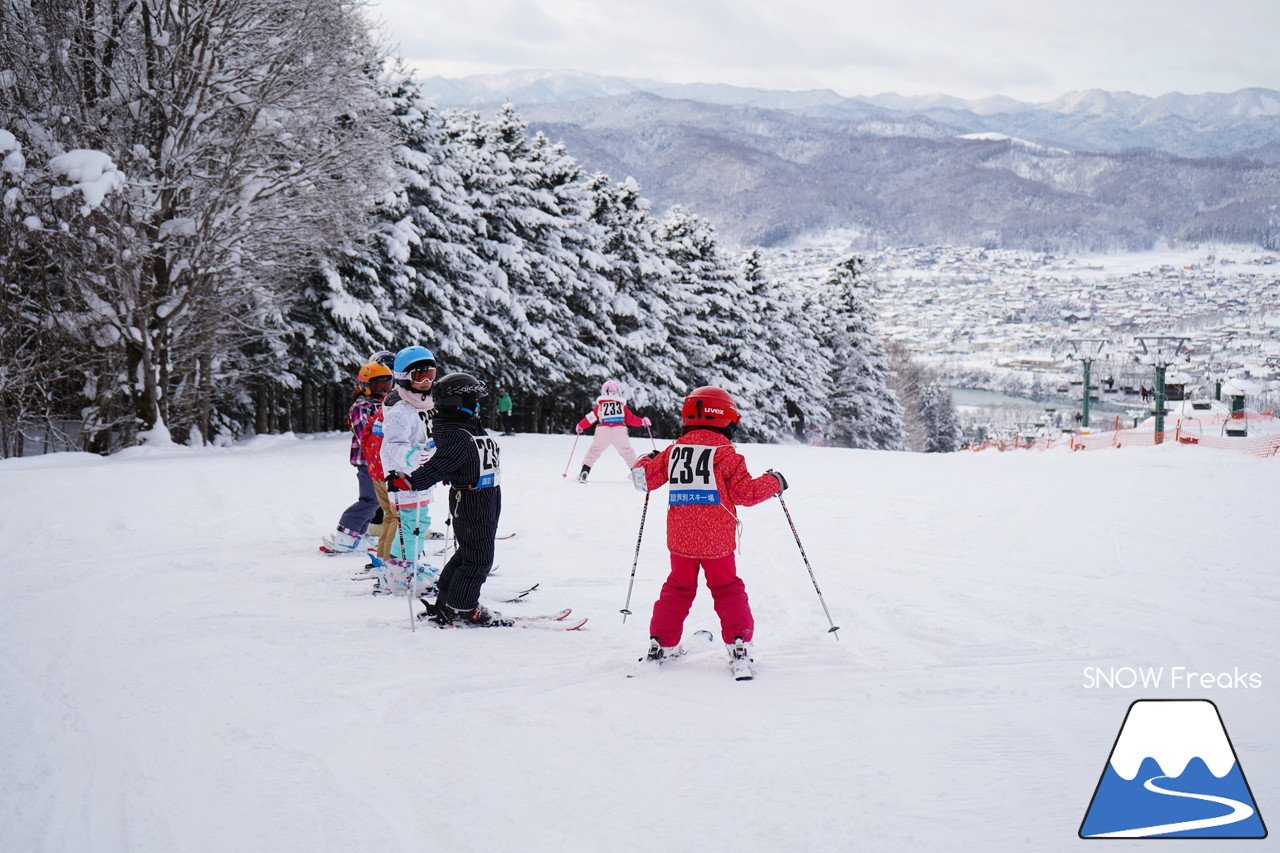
x=184, y=671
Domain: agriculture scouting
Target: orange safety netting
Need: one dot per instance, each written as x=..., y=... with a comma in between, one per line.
x=1262, y=445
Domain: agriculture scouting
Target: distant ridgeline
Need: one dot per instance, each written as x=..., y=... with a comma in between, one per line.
x=1091, y=171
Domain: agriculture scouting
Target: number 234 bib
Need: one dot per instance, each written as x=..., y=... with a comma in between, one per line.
x=692, y=475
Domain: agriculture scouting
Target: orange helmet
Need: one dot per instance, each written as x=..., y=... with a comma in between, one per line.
x=709, y=406
x=371, y=371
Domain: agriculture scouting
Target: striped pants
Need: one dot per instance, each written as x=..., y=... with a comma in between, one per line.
x=475, y=524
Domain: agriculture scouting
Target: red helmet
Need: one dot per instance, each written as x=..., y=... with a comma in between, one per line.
x=709, y=406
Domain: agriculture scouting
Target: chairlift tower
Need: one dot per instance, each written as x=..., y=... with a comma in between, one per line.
x=1086, y=349
x=1161, y=350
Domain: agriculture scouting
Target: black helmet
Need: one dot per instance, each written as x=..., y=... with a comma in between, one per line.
x=458, y=391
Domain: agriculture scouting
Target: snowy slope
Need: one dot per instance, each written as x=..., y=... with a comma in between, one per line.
x=181, y=671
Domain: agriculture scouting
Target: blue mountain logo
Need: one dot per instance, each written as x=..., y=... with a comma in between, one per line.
x=1173, y=773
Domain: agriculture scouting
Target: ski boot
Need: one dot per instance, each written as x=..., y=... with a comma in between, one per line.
x=424, y=580
x=393, y=577
x=740, y=659
x=582, y=475
x=480, y=617
x=659, y=653
x=341, y=541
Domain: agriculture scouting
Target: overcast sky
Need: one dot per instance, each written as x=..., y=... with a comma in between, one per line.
x=1033, y=50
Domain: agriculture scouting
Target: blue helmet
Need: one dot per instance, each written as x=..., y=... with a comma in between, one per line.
x=412, y=357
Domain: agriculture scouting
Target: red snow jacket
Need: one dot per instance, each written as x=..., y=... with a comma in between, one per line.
x=696, y=527
x=371, y=446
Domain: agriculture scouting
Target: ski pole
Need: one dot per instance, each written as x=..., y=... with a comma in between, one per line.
x=651, y=441
x=626, y=608
x=420, y=539
x=572, y=451
x=413, y=622
x=805, y=556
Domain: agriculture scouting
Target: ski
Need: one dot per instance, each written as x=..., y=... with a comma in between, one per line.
x=448, y=542
x=552, y=622
x=552, y=617
x=573, y=624
x=518, y=597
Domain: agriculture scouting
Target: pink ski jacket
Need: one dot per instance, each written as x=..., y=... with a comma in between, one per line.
x=704, y=524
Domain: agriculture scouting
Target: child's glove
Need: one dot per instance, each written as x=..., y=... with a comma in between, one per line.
x=646, y=422
x=782, y=481
x=416, y=458
x=397, y=482
x=578, y=429
x=652, y=454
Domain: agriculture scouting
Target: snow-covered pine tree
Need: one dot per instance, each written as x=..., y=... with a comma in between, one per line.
x=641, y=274
x=797, y=334
x=764, y=379
x=540, y=244
x=940, y=419
x=355, y=303
x=864, y=411
x=707, y=325
x=908, y=379
x=443, y=300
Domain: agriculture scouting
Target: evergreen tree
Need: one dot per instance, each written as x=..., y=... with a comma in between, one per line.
x=799, y=336
x=908, y=380
x=940, y=419
x=641, y=274
x=444, y=300
x=540, y=248
x=707, y=326
x=865, y=413
x=763, y=380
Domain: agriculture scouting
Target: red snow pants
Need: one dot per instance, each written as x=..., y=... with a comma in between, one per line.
x=728, y=592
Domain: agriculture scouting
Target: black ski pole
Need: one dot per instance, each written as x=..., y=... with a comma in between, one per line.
x=626, y=609
x=805, y=556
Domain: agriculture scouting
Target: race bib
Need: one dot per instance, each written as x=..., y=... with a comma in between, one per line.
x=613, y=412
x=692, y=475
x=490, y=468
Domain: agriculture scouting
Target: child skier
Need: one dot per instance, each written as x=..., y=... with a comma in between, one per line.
x=708, y=478
x=612, y=417
x=406, y=445
x=372, y=383
x=467, y=458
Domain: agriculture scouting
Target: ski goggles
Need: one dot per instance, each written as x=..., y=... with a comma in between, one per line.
x=417, y=374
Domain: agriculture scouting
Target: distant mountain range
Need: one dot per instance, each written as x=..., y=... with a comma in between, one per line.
x=1087, y=171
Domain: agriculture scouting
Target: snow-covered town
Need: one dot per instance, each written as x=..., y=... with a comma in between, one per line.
x=1023, y=323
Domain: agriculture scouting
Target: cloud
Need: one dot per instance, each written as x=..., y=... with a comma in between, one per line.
x=1030, y=50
